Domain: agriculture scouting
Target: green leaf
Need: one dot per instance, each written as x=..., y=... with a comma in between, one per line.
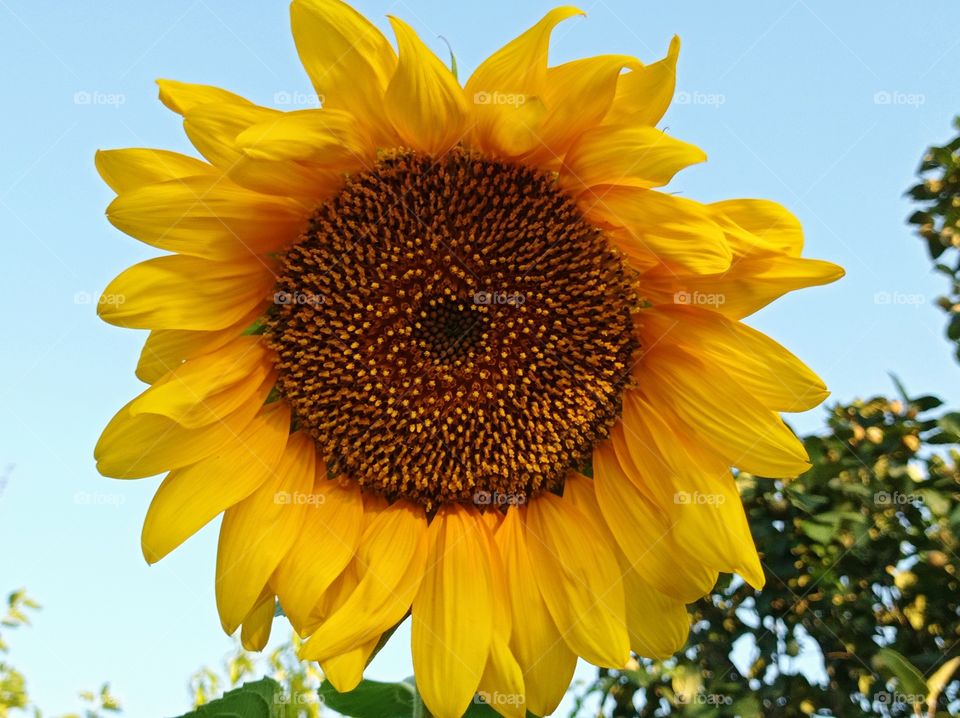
x=257, y=327
x=895, y=665
x=371, y=699
x=927, y=402
x=257, y=699
x=453, y=58
x=953, y=328
x=935, y=246
x=818, y=532
x=808, y=503
x=479, y=709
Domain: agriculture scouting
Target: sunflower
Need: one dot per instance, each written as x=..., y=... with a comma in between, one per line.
x=449, y=351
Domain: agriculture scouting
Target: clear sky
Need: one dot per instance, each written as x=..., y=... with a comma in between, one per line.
x=823, y=106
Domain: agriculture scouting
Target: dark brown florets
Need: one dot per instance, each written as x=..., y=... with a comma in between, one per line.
x=453, y=330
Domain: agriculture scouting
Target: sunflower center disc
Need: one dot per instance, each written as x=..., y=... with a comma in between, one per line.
x=452, y=330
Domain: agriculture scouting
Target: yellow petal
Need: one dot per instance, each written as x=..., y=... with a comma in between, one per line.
x=706, y=514
x=348, y=60
x=722, y=414
x=223, y=133
x=757, y=225
x=346, y=670
x=390, y=558
x=180, y=292
x=320, y=138
x=213, y=128
x=453, y=613
x=778, y=379
x=644, y=530
x=632, y=155
x=215, y=119
x=579, y=490
x=257, y=532
x=132, y=447
x=579, y=580
x=166, y=349
x=577, y=96
x=209, y=388
x=661, y=228
x=190, y=497
x=547, y=662
x=658, y=625
x=323, y=548
x=750, y=284
x=340, y=590
x=256, y=626
x=501, y=686
x=424, y=101
x=181, y=97
x=507, y=89
x=644, y=94
x=129, y=169
x=503, y=626
x=307, y=182
x=722, y=509
x=636, y=458
x=207, y=216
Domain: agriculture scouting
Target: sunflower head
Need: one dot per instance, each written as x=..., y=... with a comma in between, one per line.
x=450, y=350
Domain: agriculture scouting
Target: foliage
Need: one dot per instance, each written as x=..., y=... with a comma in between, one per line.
x=13, y=685
x=98, y=702
x=372, y=699
x=938, y=221
x=259, y=699
x=861, y=560
x=297, y=681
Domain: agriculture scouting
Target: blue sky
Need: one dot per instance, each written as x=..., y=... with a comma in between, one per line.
x=825, y=107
